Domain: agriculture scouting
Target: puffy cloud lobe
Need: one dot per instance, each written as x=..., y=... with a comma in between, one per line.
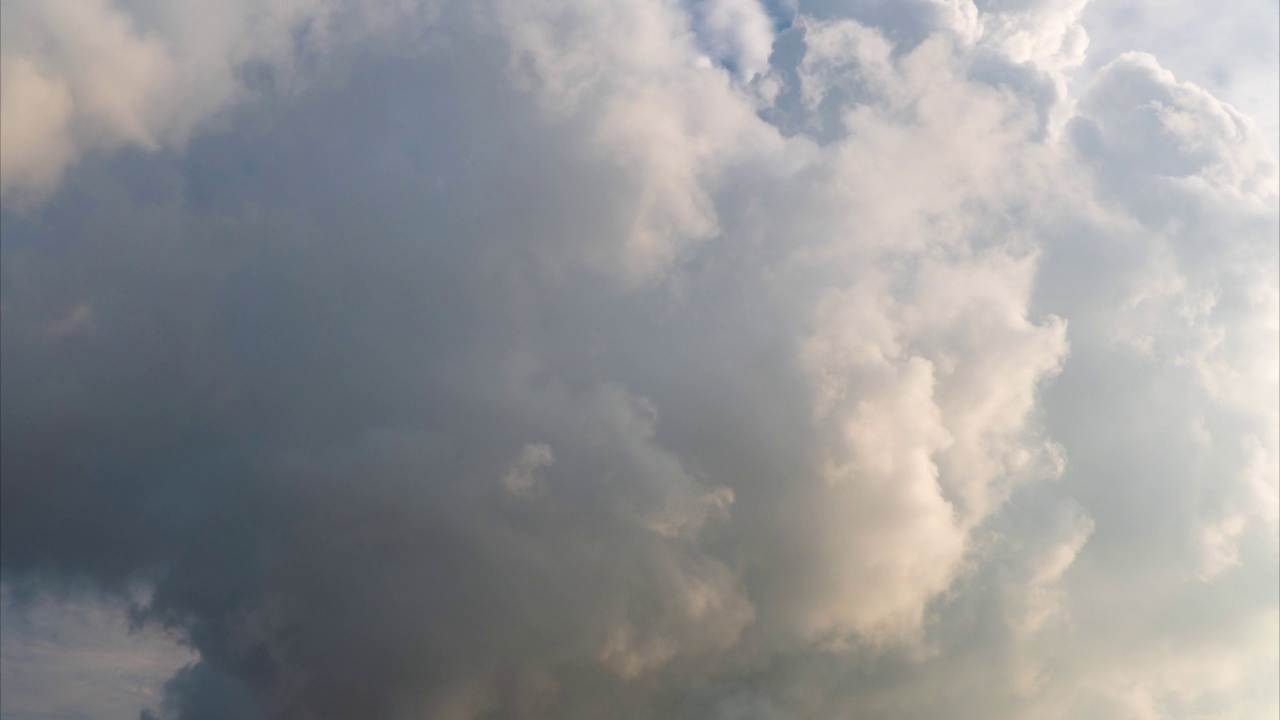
x=1235, y=55
x=1138, y=119
x=90, y=76
x=923, y=448
x=525, y=475
x=1206, y=287
x=739, y=33
x=35, y=126
x=546, y=371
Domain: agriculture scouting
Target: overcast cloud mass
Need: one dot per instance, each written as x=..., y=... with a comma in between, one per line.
x=713, y=359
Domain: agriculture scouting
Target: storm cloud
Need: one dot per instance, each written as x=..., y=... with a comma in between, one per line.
x=639, y=360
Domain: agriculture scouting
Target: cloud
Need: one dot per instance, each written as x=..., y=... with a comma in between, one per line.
x=644, y=360
x=67, y=656
x=525, y=474
x=1233, y=55
x=91, y=76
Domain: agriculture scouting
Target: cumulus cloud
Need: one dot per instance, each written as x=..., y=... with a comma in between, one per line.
x=1234, y=55
x=96, y=76
x=524, y=477
x=719, y=359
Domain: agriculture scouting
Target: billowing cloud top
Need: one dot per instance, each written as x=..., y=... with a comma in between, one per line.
x=565, y=359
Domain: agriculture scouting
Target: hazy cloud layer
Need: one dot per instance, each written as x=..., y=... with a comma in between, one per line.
x=682, y=360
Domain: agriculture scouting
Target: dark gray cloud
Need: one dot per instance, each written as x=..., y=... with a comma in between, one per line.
x=518, y=361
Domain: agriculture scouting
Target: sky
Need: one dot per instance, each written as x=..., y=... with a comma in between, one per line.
x=712, y=359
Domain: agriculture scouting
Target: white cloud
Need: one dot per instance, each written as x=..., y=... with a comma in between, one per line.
x=738, y=32
x=891, y=352
x=1235, y=55
x=95, y=75
x=67, y=656
x=524, y=477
